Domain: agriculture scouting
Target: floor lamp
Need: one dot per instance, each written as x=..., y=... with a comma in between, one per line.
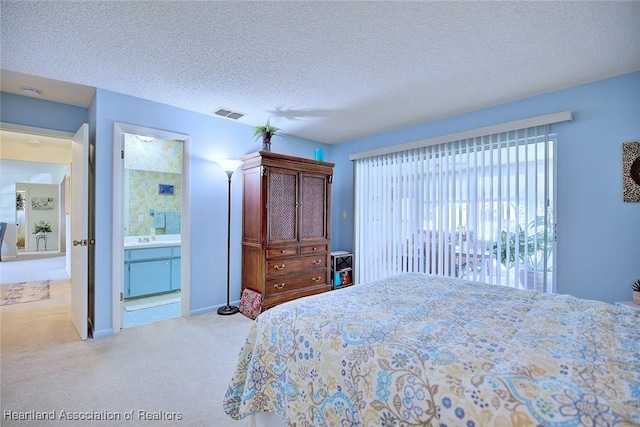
x=229, y=166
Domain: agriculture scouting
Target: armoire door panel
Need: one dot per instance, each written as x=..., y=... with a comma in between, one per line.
x=251, y=223
x=281, y=202
x=313, y=207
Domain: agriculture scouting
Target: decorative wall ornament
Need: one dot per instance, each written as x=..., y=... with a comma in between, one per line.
x=631, y=171
x=165, y=189
x=41, y=203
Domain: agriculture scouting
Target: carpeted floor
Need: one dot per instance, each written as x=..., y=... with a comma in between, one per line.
x=177, y=366
x=18, y=293
x=181, y=365
x=32, y=267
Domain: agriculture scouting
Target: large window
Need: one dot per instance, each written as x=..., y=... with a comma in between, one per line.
x=477, y=208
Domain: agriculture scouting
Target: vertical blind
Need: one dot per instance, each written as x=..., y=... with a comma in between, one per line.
x=478, y=208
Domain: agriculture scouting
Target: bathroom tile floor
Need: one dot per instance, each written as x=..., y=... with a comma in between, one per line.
x=141, y=311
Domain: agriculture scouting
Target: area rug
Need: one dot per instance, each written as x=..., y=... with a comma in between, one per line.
x=18, y=293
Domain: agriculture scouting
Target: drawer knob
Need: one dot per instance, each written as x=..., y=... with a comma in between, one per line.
x=279, y=267
x=283, y=251
x=317, y=279
x=317, y=261
x=279, y=285
x=315, y=249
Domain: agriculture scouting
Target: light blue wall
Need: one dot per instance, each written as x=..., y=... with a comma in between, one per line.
x=210, y=138
x=598, y=234
x=598, y=243
x=23, y=110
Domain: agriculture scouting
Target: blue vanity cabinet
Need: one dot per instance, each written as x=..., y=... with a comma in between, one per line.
x=149, y=277
x=150, y=271
x=175, y=268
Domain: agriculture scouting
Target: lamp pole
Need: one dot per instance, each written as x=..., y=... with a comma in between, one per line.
x=229, y=166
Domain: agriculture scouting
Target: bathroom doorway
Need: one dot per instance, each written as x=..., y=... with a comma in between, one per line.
x=152, y=226
x=150, y=202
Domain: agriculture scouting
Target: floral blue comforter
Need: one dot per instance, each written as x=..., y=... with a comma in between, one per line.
x=418, y=349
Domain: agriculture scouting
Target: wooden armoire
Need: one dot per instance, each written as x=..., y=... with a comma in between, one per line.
x=286, y=229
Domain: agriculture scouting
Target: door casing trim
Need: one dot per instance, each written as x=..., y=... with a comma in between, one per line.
x=119, y=129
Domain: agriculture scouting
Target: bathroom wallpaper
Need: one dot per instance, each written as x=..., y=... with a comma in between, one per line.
x=159, y=155
x=144, y=196
x=148, y=164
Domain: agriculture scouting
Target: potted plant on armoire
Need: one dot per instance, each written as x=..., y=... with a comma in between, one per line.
x=266, y=131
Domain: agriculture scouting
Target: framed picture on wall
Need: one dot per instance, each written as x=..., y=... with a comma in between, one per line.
x=631, y=171
x=41, y=203
x=165, y=189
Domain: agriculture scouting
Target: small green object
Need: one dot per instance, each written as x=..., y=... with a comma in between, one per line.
x=531, y=245
x=267, y=128
x=42, y=227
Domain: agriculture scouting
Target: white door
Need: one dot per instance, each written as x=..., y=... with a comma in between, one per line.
x=80, y=229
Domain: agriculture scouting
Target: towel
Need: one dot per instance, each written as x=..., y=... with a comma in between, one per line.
x=158, y=219
x=173, y=222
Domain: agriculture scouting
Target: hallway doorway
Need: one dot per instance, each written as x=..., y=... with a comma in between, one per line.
x=33, y=157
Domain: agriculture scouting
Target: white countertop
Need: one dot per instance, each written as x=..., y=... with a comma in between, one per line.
x=162, y=241
x=156, y=244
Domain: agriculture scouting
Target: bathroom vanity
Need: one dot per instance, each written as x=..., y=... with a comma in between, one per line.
x=151, y=268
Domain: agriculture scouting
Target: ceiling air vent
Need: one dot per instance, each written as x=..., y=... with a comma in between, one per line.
x=235, y=116
x=229, y=114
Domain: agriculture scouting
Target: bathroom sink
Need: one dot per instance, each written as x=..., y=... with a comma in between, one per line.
x=151, y=244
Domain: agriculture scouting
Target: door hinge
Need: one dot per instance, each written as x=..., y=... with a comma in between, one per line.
x=121, y=296
x=122, y=154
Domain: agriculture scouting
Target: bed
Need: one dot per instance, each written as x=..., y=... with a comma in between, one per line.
x=420, y=349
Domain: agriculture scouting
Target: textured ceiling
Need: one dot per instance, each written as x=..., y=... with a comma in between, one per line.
x=327, y=71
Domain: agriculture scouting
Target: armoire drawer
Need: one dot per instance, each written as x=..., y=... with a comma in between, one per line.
x=280, y=252
x=294, y=265
x=298, y=282
x=317, y=249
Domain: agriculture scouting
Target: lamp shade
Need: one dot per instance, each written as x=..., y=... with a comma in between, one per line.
x=229, y=165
